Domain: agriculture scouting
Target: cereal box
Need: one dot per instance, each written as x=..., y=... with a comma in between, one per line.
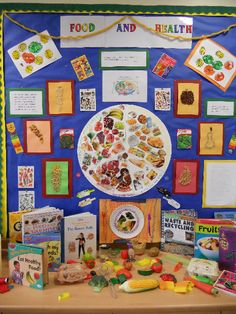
x=227, y=249
x=207, y=237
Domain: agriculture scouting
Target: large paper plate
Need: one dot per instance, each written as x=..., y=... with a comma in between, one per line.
x=124, y=150
x=127, y=221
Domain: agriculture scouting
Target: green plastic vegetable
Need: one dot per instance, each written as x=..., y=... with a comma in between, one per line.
x=98, y=283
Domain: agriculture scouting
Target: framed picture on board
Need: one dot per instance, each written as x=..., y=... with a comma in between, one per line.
x=185, y=176
x=210, y=138
x=60, y=97
x=38, y=137
x=187, y=98
x=57, y=177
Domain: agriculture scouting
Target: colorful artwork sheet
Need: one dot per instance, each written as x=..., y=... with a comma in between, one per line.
x=26, y=177
x=57, y=177
x=82, y=68
x=162, y=99
x=34, y=54
x=214, y=62
x=38, y=136
x=184, y=138
x=164, y=66
x=66, y=138
x=88, y=99
x=124, y=150
x=124, y=86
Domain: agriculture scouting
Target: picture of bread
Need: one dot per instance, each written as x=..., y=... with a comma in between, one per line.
x=155, y=142
x=137, y=162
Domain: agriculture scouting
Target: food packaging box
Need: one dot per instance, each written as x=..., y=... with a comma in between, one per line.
x=207, y=237
x=227, y=249
x=202, y=267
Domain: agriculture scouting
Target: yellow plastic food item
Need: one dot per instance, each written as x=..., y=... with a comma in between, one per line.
x=183, y=286
x=167, y=285
x=139, y=285
x=117, y=267
x=144, y=262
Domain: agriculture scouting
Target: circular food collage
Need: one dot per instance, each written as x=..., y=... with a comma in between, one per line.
x=124, y=150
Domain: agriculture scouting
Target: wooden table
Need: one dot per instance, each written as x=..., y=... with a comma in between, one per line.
x=83, y=300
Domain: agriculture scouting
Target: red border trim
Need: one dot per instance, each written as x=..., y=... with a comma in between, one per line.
x=176, y=82
x=70, y=169
x=196, y=161
x=198, y=136
x=72, y=99
x=25, y=137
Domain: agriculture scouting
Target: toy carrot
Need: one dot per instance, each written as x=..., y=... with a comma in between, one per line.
x=178, y=266
x=203, y=286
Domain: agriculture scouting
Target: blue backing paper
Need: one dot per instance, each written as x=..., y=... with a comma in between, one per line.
x=62, y=70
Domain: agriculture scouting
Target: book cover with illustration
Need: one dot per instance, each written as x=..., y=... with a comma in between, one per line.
x=28, y=265
x=207, y=237
x=79, y=236
x=226, y=283
x=15, y=225
x=50, y=240
x=42, y=220
x=177, y=233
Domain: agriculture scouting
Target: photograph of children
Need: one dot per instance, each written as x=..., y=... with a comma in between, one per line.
x=88, y=99
x=81, y=246
x=82, y=68
x=17, y=275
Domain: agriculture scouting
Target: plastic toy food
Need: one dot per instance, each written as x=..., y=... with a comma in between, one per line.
x=168, y=277
x=98, y=283
x=135, y=285
x=71, y=273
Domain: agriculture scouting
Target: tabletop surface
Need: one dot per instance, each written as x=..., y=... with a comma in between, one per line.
x=84, y=300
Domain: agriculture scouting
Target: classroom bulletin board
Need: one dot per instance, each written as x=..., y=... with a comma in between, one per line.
x=120, y=100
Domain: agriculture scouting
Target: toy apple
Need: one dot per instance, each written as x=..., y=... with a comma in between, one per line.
x=157, y=267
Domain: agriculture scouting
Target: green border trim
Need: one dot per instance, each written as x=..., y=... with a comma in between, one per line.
x=121, y=9
x=219, y=100
x=25, y=89
x=124, y=67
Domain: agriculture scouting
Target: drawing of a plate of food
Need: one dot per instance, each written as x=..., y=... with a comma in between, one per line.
x=127, y=221
x=124, y=150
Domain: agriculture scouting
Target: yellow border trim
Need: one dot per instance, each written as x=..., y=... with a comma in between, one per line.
x=3, y=130
x=204, y=205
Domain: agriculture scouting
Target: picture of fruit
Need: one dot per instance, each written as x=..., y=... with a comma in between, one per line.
x=48, y=53
x=35, y=47
x=187, y=97
x=219, y=76
x=208, y=59
x=22, y=47
x=38, y=60
x=209, y=70
x=219, y=54
x=28, y=57
x=15, y=55
x=199, y=63
x=217, y=65
x=229, y=65
x=202, y=51
x=29, y=278
x=116, y=113
x=29, y=69
x=36, y=276
x=44, y=39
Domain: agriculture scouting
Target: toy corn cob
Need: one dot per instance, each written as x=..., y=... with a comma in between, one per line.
x=139, y=285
